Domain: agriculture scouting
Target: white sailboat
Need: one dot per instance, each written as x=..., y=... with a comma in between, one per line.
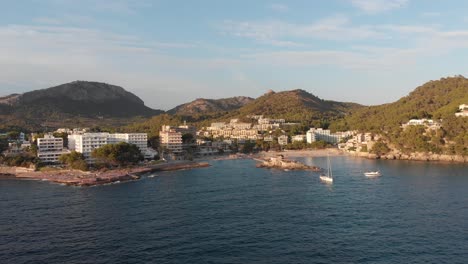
x=327, y=178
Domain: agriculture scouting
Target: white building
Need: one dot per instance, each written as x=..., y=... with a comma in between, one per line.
x=85, y=143
x=422, y=122
x=50, y=148
x=298, y=138
x=171, y=139
x=319, y=134
x=310, y=136
x=283, y=140
x=463, y=110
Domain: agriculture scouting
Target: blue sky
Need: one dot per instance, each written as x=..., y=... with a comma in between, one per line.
x=172, y=52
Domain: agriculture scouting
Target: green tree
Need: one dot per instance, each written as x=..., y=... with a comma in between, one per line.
x=248, y=147
x=3, y=144
x=74, y=160
x=154, y=142
x=380, y=148
x=187, y=138
x=13, y=135
x=120, y=154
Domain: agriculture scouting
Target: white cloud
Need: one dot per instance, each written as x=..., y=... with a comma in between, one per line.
x=378, y=6
x=368, y=59
x=47, y=21
x=431, y=14
x=279, y=33
x=279, y=7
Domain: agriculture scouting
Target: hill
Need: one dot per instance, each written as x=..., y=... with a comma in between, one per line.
x=438, y=100
x=294, y=106
x=90, y=102
x=435, y=99
x=209, y=106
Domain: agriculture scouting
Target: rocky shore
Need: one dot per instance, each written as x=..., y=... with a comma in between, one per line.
x=417, y=156
x=81, y=178
x=284, y=164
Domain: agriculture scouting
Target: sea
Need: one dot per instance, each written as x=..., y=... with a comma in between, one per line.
x=233, y=212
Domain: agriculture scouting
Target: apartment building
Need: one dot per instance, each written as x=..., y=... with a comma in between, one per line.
x=320, y=134
x=50, y=148
x=85, y=143
x=171, y=139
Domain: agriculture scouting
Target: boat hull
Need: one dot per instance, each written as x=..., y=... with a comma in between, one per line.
x=326, y=179
x=372, y=174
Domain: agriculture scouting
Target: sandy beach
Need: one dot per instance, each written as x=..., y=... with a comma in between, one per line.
x=303, y=153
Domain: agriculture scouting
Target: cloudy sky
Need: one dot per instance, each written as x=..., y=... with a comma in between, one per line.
x=171, y=52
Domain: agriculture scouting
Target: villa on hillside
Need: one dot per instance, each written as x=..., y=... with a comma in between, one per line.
x=429, y=123
x=462, y=111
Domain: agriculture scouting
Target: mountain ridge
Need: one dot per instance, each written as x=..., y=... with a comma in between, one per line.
x=210, y=106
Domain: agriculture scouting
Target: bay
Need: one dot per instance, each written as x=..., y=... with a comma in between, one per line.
x=233, y=212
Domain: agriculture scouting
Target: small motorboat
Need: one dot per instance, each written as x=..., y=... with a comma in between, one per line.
x=372, y=173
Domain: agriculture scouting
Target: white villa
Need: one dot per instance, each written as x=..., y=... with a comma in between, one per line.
x=463, y=111
x=422, y=122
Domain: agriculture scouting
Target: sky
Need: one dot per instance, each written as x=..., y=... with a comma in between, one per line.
x=171, y=52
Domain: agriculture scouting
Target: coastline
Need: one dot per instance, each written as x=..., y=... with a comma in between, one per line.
x=86, y=178
x=417, y=156
x=93, y=178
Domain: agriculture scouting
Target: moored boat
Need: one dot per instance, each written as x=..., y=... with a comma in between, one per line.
x=372, y=173
x=327, y=178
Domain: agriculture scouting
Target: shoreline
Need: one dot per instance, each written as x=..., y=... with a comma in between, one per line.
x=417, y=156
x=303, y=153
x=94, y=178
x=421, y=157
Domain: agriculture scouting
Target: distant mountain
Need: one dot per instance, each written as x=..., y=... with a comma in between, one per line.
x=435, y=99
x=210, y=106
x=79, y=99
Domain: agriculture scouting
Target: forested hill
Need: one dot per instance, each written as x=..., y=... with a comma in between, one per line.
x=435, y=99
x=295, y=105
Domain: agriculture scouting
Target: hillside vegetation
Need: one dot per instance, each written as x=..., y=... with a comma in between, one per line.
x=438, y=100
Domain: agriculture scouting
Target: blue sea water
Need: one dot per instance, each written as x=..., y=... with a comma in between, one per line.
x=233, y=212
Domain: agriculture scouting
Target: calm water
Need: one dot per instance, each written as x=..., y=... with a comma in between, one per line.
x=233, y=212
